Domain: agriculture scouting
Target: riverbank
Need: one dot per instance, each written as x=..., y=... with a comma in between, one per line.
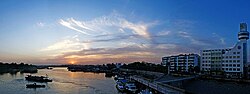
x=13, y=68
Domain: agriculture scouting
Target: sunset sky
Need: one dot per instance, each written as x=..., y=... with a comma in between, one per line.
x=109, y=31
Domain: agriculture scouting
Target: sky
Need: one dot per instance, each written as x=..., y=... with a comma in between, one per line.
x=115, y=31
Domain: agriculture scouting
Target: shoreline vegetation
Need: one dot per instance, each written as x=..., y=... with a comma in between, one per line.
x=147, y=70
x=13, y=68
x=144, y=66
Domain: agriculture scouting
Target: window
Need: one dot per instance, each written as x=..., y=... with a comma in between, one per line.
x=234, y=61
x=238, y=56
x=238, y=60
x=230, y=65
x=238, y=65
x=234, y=56
x=230, y=69
x=234, y=65
x=234, y=52
x=234, y=69
x=238, y=69
x=238, y=52
x=230, y=56
x=239, y=47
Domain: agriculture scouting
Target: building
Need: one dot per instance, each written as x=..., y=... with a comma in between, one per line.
x=181, y=63
x=229, y=61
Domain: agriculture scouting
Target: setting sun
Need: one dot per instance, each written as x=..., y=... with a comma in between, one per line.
x=72, y=62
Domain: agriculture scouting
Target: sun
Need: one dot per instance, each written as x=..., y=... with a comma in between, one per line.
x=72, y=62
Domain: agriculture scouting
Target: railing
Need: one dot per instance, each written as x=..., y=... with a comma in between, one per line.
x=180, y=79
x=163, y=88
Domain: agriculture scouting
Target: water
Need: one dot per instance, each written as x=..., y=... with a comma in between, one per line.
x=64, y=82
x=216, y=87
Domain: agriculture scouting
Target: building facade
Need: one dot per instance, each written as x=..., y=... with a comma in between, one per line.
x=230, y=61
x=181, y=63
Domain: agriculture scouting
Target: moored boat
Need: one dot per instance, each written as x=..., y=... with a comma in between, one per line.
x=146, y=91
x=38, y=78
x=34, y=85
x=130, y=87
x=120, y=86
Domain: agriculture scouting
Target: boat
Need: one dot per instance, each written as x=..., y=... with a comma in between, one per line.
x=34, y=85
x=120, y=86
x=119, y=78
x=130, y=87
x=146, y=91
x=49, y=68
x=38, y=78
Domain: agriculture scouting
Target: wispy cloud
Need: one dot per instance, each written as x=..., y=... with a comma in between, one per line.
x=140, y=29
x=221, y=39
x=102, y=31
x=71, y=44
x=113, y=38
x=40, y=24
x=70, y=24
x=191, y=38
x=111, y=24
x=129, y=53
x=163, y=33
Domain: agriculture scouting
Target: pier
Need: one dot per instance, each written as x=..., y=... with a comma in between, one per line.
x=162, y=86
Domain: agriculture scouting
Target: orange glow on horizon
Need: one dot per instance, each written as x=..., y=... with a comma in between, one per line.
x=72, y=62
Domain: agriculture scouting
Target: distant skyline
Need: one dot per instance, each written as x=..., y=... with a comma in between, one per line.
x=98, y=31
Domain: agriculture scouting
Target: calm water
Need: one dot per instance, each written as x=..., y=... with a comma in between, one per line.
x=64, y=82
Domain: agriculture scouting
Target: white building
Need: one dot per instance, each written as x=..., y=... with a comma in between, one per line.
x=231, y=61
x=180, y=63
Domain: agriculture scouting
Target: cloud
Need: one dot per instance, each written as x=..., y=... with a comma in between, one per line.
x=221, y=39
x=163, y=33
x=166, y=46
x=40, y=24
x=111, y=24
x=71, y=44
x=113, y=38
x=126, y=54
x=140, y=29
x=191, y=38
x=70, y=24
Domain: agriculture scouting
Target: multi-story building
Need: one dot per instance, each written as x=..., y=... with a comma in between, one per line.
x=231, y=61
x=181, y=63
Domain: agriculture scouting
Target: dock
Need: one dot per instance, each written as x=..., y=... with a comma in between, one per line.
x=162, y=86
